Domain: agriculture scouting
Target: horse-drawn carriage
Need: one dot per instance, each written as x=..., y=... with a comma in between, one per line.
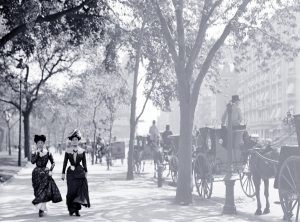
x=210, y=162
x=252, y=163
x=145, y=149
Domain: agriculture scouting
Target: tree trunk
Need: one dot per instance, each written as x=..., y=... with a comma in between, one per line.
x=63, y=134
x=2, y=137
x=133, y=106
x=131, y=144
x=55, y=138
x=49, y=138
x=184, y=183
x=9, y=142
x=27, y=135
x=110, y=130
x=94, y=147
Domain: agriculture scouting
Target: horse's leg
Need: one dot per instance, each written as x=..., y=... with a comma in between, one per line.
x=257, y=181
x=144, y=165
x=267, y=209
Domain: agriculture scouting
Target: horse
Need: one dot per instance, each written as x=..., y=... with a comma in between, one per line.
x=100, y=152
x=137, y=158
x=156, y=154
x=262, y=169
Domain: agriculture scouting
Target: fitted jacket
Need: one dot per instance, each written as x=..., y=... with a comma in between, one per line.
x=80, y=159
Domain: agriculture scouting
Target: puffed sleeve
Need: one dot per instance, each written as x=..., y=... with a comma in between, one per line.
x=34, y=157
x=65, y=163
x=51, y=161
x=84, y=162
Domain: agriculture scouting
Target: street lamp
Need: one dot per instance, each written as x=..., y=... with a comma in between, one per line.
x=21, y=66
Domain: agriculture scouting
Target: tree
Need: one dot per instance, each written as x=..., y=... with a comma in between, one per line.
x=7, y=114
x=79, y=18
x=136, y=41
x=51, y=60
x=194, y=47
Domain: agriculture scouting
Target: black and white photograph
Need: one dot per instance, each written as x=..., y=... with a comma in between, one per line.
x=149, y=110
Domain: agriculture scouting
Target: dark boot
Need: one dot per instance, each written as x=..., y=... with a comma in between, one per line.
x=41, y=213
x=77, y=213
x=71, y=213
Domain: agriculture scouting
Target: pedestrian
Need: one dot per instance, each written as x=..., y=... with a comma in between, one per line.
x=154, y=134
x=43, y=184
x=78, y=193
x=166, y=141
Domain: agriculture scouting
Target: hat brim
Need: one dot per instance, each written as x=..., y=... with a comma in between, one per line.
x=71, y=137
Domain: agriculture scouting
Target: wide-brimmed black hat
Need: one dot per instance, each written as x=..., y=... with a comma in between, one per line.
x=75, y=133
x=39, y=138
x=235, y=98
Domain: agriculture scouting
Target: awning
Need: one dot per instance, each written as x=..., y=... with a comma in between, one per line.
x=290, y=89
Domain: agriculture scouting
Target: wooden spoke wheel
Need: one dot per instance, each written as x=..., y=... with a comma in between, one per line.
x=289, y=188
x=246, y=180
x=173, y=166
x=203, y=176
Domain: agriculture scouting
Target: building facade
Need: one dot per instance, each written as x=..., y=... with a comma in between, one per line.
x=268, y=96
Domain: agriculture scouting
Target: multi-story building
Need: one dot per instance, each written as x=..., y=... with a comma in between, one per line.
x=267, y=96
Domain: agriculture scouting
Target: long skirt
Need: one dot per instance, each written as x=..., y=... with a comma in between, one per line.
x=44, y=187
x=78, y=192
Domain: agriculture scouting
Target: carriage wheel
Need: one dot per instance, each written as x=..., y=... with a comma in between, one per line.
x=203, y=176
x=289, y=188
x=246, y=180
x=173, y=166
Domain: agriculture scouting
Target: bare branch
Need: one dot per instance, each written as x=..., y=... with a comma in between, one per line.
x=200, y=35
x=140, y=81
x=180, y=31
x=208, y=60
x=11, y=102
x=149, y=93
x=166, y=31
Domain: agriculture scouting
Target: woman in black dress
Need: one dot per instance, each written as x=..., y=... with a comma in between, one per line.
x=78, y=193
x=43, y=184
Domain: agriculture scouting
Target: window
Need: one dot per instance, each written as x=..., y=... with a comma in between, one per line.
x=290, y=90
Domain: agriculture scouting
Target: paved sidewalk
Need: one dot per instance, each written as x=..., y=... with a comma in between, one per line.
x=115, y=199
x=9, y=165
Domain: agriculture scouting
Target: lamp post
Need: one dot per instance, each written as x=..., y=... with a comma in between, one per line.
x=229, y=207
x=20, y=66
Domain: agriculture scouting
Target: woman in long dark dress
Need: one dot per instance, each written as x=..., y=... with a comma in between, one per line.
x=78, y=193
x=43, y=184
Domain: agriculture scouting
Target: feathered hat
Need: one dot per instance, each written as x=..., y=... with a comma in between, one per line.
x=75, y=133
x=39, y=138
